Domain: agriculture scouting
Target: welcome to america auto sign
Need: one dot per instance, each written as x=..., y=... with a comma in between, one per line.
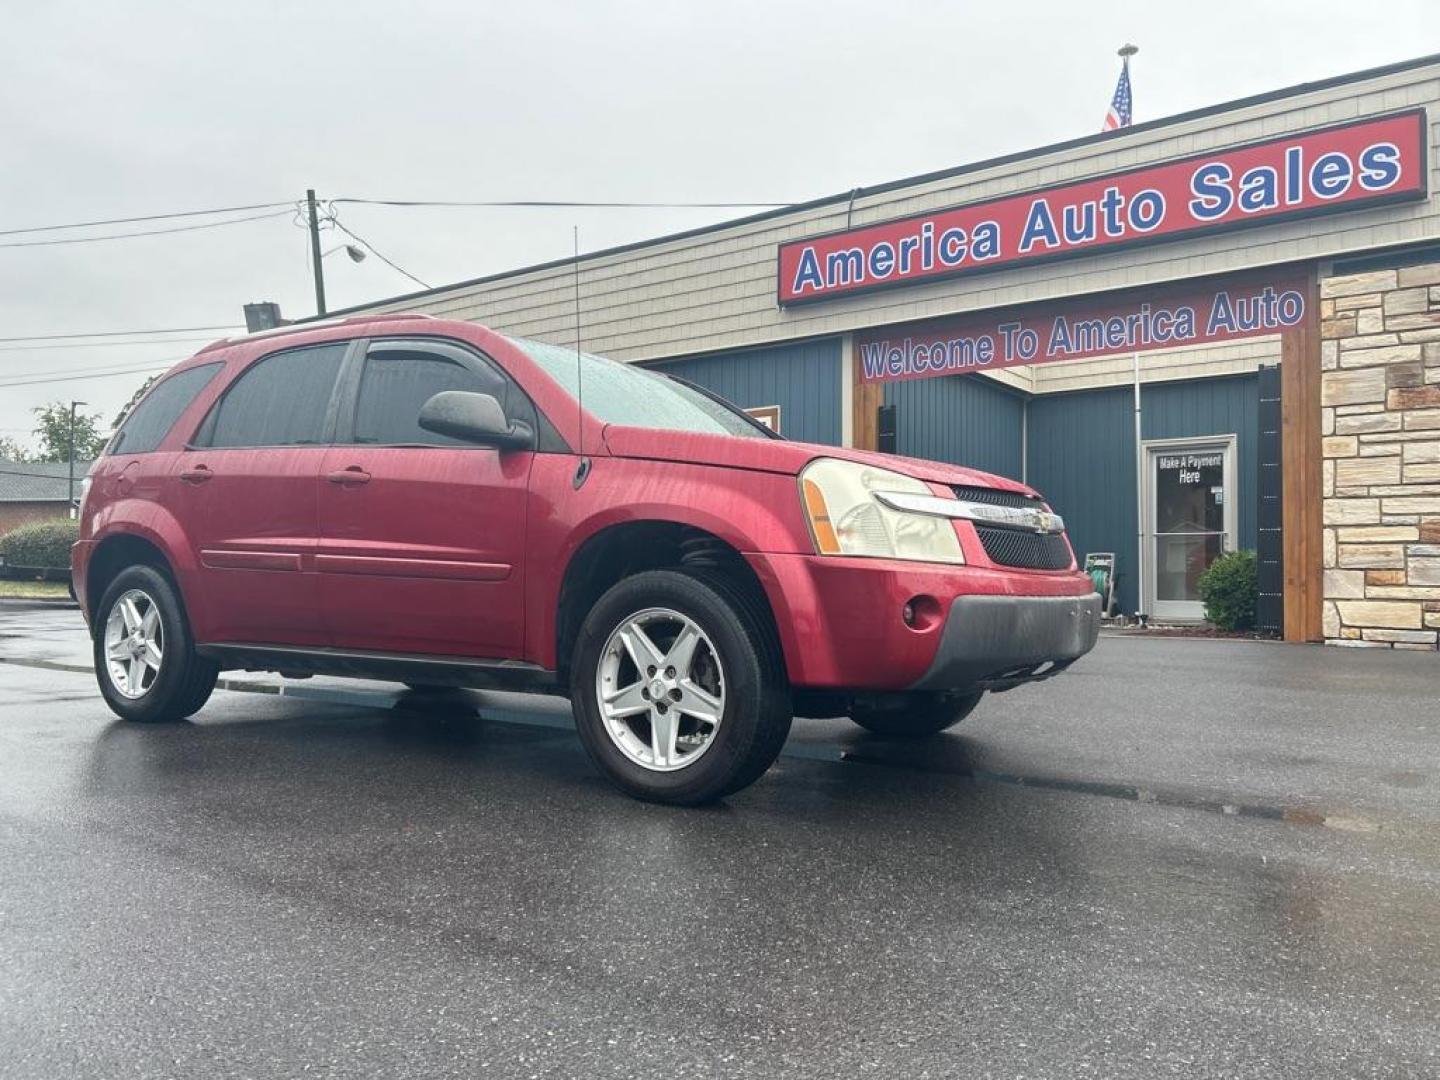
x=1345, y=167
x=1161, y=317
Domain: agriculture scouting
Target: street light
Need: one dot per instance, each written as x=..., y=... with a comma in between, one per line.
x=71, y=455
x=357, y=254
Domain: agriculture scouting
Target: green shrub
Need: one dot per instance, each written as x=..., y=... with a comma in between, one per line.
x=1230, y=590
x=40, y=544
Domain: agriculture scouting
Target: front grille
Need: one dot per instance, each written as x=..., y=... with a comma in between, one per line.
x=994, y=496
x=1016, y=547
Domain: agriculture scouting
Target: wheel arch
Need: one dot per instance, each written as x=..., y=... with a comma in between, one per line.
x=113, y=553
x=623, y=549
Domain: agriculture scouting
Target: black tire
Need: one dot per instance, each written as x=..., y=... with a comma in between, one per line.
x=915, y=715
x=755, y=720
x=184, y=680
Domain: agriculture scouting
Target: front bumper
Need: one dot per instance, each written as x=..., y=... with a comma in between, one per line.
x=1003, y=640
x=841, y=626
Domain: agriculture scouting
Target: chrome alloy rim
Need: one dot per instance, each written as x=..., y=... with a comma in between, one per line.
x=661, y=689
x=134, y=644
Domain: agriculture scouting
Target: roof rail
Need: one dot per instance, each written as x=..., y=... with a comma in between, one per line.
x=320, y=324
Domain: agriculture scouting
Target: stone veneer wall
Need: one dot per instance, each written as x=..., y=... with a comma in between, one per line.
x=1380, y=419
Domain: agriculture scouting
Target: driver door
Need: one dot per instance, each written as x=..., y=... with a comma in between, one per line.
x=422, y=537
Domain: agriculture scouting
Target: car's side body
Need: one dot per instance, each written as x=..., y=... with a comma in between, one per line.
x=376, y=553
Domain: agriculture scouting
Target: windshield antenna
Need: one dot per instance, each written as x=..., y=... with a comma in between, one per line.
x=579, y=366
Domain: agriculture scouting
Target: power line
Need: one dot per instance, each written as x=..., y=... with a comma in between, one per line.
x=121, y=333
x=453, y=203
x=102, y=368
x=37, y=476
x=377, y=254
x=560, y=203
x=93, y=375
x=105, y=344
x=145, y=217
x=145, y=232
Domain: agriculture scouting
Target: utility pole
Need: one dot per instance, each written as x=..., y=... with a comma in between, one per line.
x=315, y=252
x=71, y=455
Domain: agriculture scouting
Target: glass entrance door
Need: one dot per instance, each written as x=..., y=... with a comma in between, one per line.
x=1191, y=520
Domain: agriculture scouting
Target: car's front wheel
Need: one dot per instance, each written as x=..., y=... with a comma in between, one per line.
x=678, y=688
x=145, y=659
x=914, y=715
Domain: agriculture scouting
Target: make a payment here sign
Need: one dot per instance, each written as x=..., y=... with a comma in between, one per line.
x=1349, y=166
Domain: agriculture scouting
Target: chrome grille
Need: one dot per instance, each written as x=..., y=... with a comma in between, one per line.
x=1016, y=547
x=993, y=496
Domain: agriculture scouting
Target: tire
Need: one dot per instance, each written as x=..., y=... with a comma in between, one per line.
x=915, y=715
x=735, y=665
x=182, y=682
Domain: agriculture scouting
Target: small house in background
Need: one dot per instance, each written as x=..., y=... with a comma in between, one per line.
x=36, y=492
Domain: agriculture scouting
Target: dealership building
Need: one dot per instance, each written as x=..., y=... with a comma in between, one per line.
x=1262, y=278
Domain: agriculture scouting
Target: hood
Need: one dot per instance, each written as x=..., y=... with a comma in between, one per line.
x=782, y=456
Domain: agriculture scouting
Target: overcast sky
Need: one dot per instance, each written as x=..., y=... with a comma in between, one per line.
x=113, y=110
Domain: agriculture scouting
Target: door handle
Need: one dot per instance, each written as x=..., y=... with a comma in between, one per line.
x=353, y=474
x=198, y=475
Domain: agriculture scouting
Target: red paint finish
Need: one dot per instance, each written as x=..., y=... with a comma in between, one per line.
x=428, y=554
x=252, y=530
x=462, y=551
x=1345, y=167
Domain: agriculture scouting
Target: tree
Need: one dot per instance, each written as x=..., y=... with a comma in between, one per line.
x=10, y=450
x=52, y=429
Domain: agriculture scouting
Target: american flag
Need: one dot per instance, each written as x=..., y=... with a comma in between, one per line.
x=1119, y=114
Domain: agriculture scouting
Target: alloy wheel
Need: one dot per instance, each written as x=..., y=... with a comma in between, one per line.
x=134, y=644
x=661, y=689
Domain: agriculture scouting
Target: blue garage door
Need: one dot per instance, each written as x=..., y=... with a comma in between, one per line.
x=802, y=379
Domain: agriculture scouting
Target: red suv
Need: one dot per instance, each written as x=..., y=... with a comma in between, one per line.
x=431, y=502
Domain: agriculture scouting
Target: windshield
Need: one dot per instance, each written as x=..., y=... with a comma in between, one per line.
x=619, y=393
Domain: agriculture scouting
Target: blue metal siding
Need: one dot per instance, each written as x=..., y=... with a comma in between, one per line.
x=1082, y=456
x=963, y=419
x=803, y=379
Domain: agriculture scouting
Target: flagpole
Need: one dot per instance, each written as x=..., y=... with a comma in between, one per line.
x=1140, y=581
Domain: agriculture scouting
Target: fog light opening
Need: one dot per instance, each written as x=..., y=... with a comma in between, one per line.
x=920, y=613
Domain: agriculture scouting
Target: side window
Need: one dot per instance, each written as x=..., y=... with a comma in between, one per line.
x=397, y=382
x=280, y=401
x=151, y=420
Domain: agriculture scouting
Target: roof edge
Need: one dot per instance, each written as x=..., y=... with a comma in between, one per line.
x=1295, y=90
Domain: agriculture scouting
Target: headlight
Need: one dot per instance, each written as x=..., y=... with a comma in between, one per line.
x=846, y=518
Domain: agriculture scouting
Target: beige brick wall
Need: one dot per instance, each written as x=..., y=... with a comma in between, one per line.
x=1380, y=418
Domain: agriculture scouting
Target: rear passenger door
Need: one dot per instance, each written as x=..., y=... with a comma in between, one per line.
x=422, y=537
x=245, y=490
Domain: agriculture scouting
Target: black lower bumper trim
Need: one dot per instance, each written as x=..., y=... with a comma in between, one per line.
x=1006, y=640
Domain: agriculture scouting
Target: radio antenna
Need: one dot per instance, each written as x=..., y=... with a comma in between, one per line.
x=579, y=365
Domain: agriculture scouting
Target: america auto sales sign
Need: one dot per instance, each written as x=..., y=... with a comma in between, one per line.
x=1349, y=166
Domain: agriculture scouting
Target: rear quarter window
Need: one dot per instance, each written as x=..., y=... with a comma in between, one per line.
x=151, y=420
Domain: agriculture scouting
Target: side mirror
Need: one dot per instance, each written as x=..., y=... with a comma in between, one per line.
x=474, y=418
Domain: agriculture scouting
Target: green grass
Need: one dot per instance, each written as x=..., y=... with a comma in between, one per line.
x=33, y=590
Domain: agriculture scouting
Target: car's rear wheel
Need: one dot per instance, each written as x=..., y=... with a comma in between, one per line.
x=145, y=659
x=678, y=688
x=915, y=715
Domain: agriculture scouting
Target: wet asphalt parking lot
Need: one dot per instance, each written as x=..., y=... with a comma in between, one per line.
x=1187, y=858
